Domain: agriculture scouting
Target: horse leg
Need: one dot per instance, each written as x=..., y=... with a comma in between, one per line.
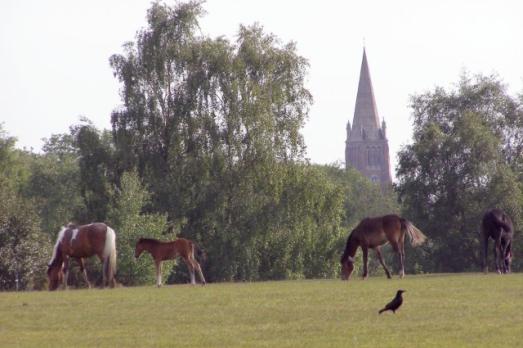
x=508, y=257
x=105, y=271
x=365, y=251
x=484, y=250
x=397, y=248
x=65, y=270
x=84, y=271
x=498, y=255
x=504, y=255
x=190, y=266
x=380, y=257
x=401, y=249
x=159, y=273
x=402, y=260
x=200, y=273
x=196, y=266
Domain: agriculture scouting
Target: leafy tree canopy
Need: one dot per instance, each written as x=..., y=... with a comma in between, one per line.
x=466, y=158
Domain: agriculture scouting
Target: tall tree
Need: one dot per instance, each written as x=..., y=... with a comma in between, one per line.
x=54, y=184
x=213, y=127
x=462, y=162
x=23, y=248
x=193, y=105
x=130, y=223
x=95, y=150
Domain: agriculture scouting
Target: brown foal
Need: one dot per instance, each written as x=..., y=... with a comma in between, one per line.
x=161, y=251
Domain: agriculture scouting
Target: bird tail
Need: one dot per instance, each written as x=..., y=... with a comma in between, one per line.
x=382, y=310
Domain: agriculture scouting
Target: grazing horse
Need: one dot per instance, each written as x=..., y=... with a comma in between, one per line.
x=497, y=225
x=79, y=242
x=371, y=233
x=161, y=251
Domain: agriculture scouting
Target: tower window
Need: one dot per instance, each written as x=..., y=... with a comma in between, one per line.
x=373, y=157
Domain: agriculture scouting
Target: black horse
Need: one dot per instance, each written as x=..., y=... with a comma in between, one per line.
x=496, y=224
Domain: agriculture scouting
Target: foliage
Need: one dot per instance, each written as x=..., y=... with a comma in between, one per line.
x=362, y=198
x=54, y=184
x=130, y=224
x=23, y=248
x=461, y=163
x=207, y=141
x=214, y=130
x=95, y=159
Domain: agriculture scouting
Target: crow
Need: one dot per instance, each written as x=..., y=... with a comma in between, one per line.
x=394, y=304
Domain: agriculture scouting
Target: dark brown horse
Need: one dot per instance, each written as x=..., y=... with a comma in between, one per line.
x=79, y=242
x=372, y=233
x=161, y=251
x=496, y=224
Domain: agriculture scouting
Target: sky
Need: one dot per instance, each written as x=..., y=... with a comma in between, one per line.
x=54, y=57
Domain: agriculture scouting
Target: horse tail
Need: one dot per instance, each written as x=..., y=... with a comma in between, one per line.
x=110, y=256
x=199, y=253
x=416, y=236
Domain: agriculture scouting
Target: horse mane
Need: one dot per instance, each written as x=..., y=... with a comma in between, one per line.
x=346, y=252
x=149, y=240
x=505, y=223
x=56, y=258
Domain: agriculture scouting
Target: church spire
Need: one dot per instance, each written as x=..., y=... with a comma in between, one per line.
x=367, y=147
x=366, y=119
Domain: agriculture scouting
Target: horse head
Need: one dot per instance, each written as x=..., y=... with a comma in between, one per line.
x=347, y=267
x=55, y=275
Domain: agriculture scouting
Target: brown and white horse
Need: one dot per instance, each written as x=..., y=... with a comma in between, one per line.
x=371, y=233
x=79, y=242
x=161, y=251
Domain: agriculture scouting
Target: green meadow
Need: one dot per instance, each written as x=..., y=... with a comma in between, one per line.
x=450, y=310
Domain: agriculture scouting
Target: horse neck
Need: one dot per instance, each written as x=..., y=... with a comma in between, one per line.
x=57, y=259
x=148, y=245
x=351, y=247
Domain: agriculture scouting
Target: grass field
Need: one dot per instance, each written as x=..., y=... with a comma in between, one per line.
x=471, y=310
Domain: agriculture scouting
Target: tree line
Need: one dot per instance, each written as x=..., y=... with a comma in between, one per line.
x=207, y=145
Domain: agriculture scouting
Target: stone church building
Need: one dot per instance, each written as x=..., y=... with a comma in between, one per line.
x=367, y=147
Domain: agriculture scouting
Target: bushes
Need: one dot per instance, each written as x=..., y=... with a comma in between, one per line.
x=24, y=249
x=130, y=224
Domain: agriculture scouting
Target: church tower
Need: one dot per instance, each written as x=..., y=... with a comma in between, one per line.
x=367, y=147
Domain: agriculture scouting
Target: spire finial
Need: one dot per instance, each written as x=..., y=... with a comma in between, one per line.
x=364, y=43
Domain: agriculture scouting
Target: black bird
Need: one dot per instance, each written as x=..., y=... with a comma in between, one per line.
x=395, y=303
